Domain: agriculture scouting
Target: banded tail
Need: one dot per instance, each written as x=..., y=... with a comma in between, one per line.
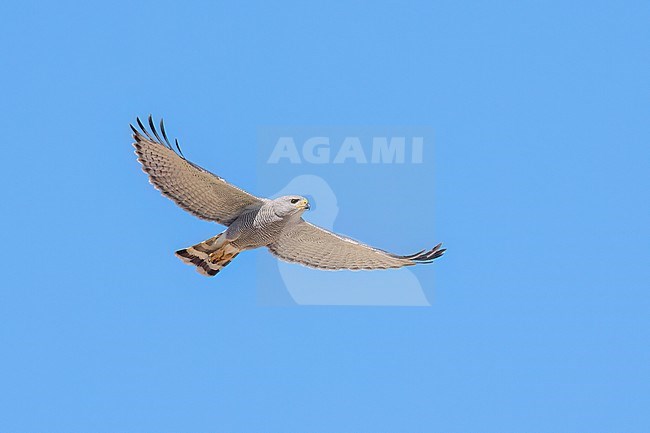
x=209, y=256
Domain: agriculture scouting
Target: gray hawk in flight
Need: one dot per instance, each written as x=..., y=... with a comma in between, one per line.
x=252, y=222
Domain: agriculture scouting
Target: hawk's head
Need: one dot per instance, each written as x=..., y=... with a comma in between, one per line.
x=288, y=205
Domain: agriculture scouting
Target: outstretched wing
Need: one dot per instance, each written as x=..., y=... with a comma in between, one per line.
x=194, y=189
x=316, y=247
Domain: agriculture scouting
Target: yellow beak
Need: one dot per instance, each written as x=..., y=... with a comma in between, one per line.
x=303, y=204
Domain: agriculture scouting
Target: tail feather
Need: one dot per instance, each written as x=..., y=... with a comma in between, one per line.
x=208, y=256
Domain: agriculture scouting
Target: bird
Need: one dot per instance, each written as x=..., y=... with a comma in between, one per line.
x=251, y=222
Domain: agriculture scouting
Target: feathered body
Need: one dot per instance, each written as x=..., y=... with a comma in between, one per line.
x=257, y=227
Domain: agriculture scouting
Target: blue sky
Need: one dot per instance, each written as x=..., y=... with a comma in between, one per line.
x=539, y=189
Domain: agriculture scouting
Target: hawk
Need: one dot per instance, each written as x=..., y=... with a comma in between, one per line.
x=252, y=222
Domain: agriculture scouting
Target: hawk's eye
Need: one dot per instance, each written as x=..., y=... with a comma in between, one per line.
x=295, y=200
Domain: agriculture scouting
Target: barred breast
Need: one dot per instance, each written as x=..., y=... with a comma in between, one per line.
x=255, y=229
